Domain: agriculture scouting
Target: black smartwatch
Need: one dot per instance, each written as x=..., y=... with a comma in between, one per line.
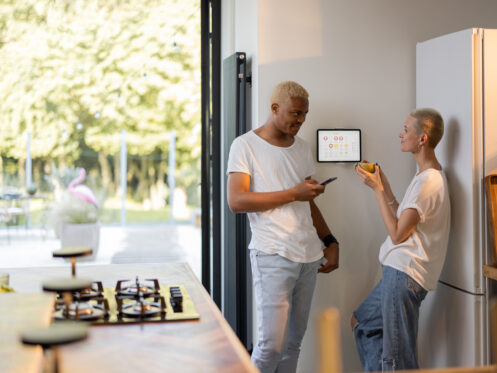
x=329, y=239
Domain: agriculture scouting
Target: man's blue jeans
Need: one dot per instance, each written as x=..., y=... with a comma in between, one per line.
x=283, y=292
x=387, y=326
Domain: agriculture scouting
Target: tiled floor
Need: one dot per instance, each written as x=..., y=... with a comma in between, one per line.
x=144, y=243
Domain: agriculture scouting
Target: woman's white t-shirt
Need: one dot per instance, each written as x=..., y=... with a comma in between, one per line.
x=422, y=255
x=286, y=230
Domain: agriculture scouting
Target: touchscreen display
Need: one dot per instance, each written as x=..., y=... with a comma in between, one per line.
x=339, y=145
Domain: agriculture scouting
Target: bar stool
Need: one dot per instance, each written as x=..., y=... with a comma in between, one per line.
x=66, y=287
x=49, y=338
x=72, y=253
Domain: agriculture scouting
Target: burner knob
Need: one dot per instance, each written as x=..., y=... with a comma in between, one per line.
x=176, y=298
x=177, y=295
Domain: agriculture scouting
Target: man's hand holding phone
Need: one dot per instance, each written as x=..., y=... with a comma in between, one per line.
x=327, y=181
x=310, y=189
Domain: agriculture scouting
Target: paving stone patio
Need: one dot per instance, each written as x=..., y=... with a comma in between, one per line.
x=144, y=243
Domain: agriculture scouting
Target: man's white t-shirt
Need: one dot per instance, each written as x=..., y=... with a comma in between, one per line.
x=422, y=255
x=286, y=230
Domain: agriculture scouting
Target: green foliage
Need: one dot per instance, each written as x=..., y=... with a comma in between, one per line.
x=74, y=73
x=60, y=178
x=69, y=209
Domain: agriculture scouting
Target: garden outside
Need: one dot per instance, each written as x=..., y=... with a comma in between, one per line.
x=133, y=243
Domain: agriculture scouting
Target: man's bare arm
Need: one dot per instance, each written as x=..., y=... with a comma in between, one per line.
x=240, y=199
x=331, y=253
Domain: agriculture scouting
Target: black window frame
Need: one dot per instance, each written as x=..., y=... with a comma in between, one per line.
x=211, y=147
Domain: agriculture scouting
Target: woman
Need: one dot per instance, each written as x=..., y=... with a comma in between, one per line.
x=385, y=325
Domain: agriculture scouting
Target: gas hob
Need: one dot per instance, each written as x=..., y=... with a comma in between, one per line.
x=130, y=301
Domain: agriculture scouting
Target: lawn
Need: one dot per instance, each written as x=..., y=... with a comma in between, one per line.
x=109, y=216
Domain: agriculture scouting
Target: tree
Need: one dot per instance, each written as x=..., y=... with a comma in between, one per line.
x=77, y=72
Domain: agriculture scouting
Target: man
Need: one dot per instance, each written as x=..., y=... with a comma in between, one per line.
x=386, y=324
x=269, y=177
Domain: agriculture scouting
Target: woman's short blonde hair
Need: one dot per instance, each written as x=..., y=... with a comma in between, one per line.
x=429, y=121
x=286, y=90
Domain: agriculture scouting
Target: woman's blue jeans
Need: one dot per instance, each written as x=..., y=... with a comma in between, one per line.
x=387, y=326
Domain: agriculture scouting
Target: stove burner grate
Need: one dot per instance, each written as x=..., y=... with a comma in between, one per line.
x=148, y=288
x=96, y=291
x=96, y=309
x=142, y=308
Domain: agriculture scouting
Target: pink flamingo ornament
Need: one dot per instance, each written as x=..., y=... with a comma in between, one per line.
x=82, y=192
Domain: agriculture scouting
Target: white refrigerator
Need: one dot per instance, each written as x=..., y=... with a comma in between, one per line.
x=457, y=75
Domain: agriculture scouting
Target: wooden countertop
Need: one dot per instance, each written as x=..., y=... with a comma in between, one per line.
x=18, y=312
x=205, y=345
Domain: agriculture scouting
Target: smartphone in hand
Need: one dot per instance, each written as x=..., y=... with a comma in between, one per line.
x=327, y=181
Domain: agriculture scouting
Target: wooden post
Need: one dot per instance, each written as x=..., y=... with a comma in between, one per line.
x=493, y=331
x=330, y=360
x=491, y=207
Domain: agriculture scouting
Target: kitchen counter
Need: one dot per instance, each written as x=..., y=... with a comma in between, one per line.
x=19, y=312
x=204, y=345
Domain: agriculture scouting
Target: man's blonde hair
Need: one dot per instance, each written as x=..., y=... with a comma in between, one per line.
x=286, y=90
x=429, y=121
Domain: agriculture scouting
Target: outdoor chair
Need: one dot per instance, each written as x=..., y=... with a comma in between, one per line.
x=4, y=220
x=11, y=208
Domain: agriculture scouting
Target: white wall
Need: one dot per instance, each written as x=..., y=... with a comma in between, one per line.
x=357, y=60
x=239, y=25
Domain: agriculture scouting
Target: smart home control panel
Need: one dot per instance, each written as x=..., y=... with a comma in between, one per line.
x=339, y=145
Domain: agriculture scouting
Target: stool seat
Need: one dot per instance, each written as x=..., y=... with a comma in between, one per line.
x=69, y=284
x=72, y=252
x=60, y=333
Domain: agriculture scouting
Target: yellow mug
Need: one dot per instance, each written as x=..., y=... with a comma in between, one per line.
x=369, y=167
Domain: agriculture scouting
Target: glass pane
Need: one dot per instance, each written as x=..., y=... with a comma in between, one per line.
x=94, y=95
